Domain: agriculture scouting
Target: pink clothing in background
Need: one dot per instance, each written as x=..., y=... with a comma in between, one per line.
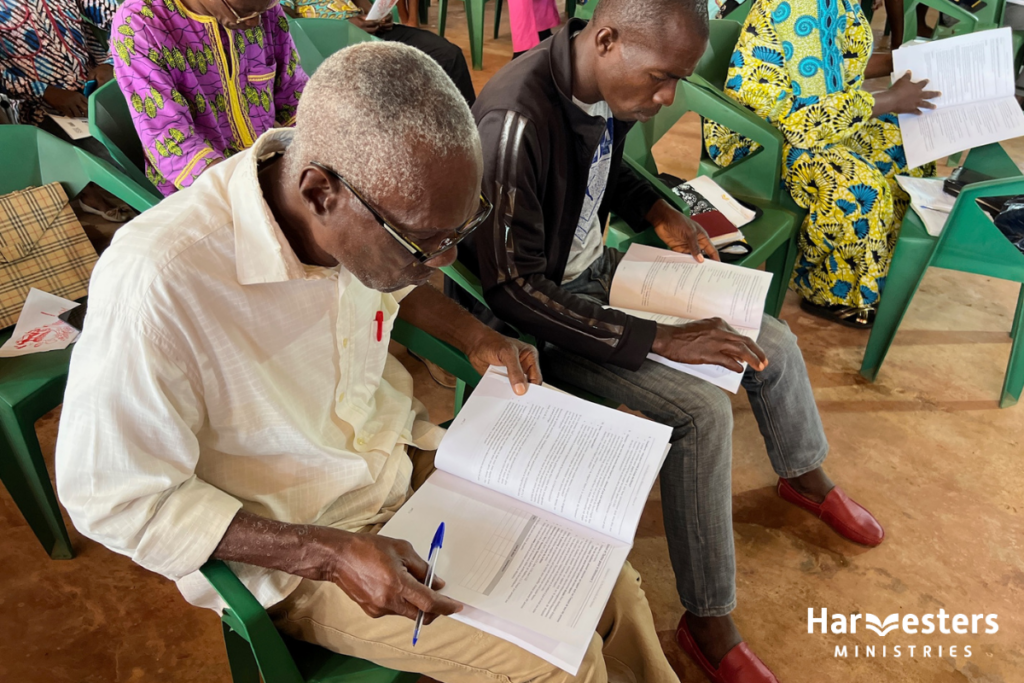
x=528, y=18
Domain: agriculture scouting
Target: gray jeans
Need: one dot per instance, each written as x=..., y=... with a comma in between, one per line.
x=696, y=480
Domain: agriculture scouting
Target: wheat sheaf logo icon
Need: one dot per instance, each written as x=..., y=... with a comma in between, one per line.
x=882, y=628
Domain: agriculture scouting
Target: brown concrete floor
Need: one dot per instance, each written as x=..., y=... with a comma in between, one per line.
x=926, y=448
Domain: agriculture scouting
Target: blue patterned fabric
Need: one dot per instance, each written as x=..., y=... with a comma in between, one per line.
x=47, y=42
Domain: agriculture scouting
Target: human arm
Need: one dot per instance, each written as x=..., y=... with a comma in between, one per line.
x=879, y=66
x=289, y=8
x=162, y=116
x=679, y=232
x=437, y=315
x=511, y=250
x=382, y=575
x=290, y=79
x=371, y=27
x=99, y=13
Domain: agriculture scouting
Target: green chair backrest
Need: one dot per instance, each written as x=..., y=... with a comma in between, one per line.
x=110, y=122
x=723, y=36
x=318, y=39
x=586, y=10
x=31, y=157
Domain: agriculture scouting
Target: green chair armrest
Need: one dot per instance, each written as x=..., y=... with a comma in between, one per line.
x=246, y=617
x=465, y=279
x=661, y=188
x=116, y=182
x=763, y=182
x=971, y=242
x=436, y=351
x=968, y=21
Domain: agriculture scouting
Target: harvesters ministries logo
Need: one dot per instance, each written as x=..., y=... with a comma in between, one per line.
x=942, y=626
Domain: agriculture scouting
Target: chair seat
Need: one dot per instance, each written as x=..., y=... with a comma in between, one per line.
x=33, y=384
x=319, y=665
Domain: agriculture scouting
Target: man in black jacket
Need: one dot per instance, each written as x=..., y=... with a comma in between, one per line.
x=553, y=124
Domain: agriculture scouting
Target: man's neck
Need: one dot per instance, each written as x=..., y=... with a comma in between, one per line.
x=284, y=201
x=584, y=85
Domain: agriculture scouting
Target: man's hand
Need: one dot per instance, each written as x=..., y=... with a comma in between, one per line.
x=103, y=73
x=360, y=21
x=519, y=358
x=67, y=102
x=679, y=233
x=710, y=341
x=382, y=575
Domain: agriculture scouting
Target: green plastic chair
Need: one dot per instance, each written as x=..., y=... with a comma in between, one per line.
x=992, y=15
x=970, y=243
x=31, y=386
x=254, y=646
x=110, y=122
x=755, y=179
x=475, y=19
x=318, y=39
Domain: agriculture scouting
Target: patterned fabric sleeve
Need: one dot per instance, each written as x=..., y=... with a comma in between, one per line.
x=18, y=85
x=760, y=78
x=161, y=114
x=291, y=79
x=99, y=13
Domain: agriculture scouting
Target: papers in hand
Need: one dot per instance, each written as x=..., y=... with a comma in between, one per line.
x=38, y=328
x=975, y=75
x=541, y=495
x=674, y=289
x=380, y=9
x=76, y=128
x=929, y=201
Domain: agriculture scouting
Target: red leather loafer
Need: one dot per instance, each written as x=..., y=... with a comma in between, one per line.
x=740, y=664
x=839, y=511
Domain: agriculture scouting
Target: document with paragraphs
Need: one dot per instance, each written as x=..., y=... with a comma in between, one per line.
x=541, y=496
x=673, y=289
x=975, y=74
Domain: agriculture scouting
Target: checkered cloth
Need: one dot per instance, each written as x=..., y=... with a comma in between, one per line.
x=42, y=245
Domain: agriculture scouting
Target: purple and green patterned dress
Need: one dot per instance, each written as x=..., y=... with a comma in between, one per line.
x=199, y=92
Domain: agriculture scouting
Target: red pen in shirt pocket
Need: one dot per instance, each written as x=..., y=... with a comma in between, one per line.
x=380, y=325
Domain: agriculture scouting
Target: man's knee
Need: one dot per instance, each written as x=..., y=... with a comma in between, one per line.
x=778, y=343
x=592, y=669
x=707, y=411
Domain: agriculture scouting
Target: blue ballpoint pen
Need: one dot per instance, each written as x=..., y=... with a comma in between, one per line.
x=435, y=550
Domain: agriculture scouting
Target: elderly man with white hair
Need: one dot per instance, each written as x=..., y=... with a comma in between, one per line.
x=232, y=395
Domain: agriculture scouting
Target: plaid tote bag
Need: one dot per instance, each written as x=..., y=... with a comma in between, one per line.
x=42, y=245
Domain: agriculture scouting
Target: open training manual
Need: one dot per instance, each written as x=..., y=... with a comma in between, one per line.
x=975, y=75
x=540, y=495
x=673, y=289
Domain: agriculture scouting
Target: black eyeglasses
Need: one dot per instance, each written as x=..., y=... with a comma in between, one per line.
x=422, y=256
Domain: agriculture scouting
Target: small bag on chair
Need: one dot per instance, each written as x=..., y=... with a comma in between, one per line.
x=42, y=245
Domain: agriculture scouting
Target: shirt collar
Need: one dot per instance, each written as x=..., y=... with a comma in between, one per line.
x=262, y=252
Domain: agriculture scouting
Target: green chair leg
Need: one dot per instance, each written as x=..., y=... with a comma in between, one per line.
x=24, y=474
x=570, y=8
x=424, y=13
x=497, y=17
x=1017, y=313
x=475, y=17
x=1014, y=381
x=780, y=265
x=244, y=668
x=909, y=263
x=442, y=16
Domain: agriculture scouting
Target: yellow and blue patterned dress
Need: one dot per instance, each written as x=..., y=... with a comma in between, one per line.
x=799, y=64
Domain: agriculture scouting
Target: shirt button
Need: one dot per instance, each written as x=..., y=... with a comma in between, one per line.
x=361, y=441
x=344, y=343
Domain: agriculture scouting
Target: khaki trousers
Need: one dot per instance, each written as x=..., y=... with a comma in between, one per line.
x=625, y=646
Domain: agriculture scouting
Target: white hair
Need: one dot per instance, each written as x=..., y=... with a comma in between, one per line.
x=369, y=106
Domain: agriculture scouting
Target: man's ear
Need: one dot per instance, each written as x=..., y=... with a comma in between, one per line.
x=318, y=192
x=606, y=40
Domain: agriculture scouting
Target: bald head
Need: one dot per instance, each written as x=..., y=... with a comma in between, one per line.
x=383, y=115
